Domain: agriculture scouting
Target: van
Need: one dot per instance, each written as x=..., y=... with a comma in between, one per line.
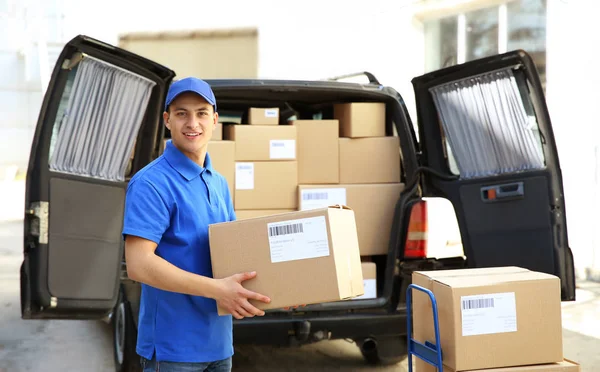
x=485, y=143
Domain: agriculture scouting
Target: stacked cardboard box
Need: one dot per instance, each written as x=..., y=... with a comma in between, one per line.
x=274, y=167
x=492, y=319
x=351, y=161
x=266, y=169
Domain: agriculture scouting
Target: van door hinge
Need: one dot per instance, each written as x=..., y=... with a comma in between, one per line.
x=39, y=225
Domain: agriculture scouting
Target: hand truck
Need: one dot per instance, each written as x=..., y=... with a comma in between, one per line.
x=430, y=353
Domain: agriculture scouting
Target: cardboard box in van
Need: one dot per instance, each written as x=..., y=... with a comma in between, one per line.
x=301, y=257
x=262, y=142
x=360, y=119
x=266, y=185
x=369, y=160
x=222, y=154
x=263, y=116
x=490, y=317
x=373, y=205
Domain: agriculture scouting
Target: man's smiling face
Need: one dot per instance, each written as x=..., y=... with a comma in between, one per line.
x=191, y=120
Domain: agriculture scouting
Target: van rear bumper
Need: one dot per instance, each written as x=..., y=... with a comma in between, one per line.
x=307, y=328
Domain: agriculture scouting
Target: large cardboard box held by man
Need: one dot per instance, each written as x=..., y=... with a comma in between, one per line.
x=490, y=317
x=301, y=257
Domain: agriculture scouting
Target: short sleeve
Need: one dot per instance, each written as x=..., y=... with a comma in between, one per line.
x=146, y=213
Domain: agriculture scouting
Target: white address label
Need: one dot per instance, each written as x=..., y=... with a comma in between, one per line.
x=370, y=286
x=282, y=149
x=488, y=314
x=298, y=239
x=270, y=113
x=322, y=198
x=244, y=176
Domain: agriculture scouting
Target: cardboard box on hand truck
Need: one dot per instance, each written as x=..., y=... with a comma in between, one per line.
x=490, y=317
x=300, y=257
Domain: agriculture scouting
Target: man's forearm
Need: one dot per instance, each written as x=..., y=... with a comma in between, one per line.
x=153, y=270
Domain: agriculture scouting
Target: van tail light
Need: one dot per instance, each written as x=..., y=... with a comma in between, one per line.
x=416, y=239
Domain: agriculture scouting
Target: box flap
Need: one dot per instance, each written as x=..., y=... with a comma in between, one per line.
x=484, y=276
x=564, y=366
x=434, y=274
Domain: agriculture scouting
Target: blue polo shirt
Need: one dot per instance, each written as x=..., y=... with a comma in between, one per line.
x=171, y=202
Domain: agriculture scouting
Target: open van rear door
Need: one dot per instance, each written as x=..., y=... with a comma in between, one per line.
x=486, y=123
x=99, y=101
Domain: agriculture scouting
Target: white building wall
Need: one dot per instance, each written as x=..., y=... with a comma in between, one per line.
x=23, y=24
x=573, y=99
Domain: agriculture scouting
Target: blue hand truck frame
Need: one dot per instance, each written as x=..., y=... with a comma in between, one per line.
x=429, y=352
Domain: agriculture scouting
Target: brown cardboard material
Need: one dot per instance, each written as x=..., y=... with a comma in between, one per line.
x=374, y=228
x=266, y=185
x=263, y=116
x=370, y=160
x=217, y=133
x=282, y=249
x=222, y=155
x=515, y=320
x=564, y=366
x=318, y=151
x=262, y=142
x=251, y=213
x=360, y=119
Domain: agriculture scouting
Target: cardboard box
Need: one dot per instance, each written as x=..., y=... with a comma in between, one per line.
x=564, y=366
x=262, y=142
x=370, y=160
x=263, y=116
x=360, y=119
x=369, y=272
x=490, y=317
x=217, y=133
x=222, y=154
x=266, y=185
x=318, y=151
x=373, y=205
x=245, y=214
x=283, y=249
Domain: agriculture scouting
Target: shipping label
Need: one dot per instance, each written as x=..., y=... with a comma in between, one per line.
x=282, y=149
x=322, y=198
x=488, y=314
x=244, y=176
x=298, y=239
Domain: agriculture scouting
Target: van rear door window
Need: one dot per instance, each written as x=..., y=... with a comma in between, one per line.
x=101, y=112
x=489, y=127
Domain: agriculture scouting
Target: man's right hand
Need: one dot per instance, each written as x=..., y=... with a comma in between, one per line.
x=233, y=297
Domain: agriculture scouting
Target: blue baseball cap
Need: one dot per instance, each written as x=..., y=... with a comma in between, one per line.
x=191, y=84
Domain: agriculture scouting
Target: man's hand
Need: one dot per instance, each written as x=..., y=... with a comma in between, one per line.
x=295, y=307
x=233, y=297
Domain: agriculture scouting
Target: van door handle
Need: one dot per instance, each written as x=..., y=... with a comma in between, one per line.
x=503, y=192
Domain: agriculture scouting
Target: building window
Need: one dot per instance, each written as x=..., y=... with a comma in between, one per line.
x=518, y=24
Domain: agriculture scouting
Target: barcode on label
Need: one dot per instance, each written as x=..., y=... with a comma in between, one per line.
x=315, y=196
x=482, y=303
x=294, y=228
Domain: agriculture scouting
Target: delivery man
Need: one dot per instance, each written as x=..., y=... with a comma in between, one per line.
x=169, y=205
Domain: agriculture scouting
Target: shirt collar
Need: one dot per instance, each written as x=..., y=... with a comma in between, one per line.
x=184, y=165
